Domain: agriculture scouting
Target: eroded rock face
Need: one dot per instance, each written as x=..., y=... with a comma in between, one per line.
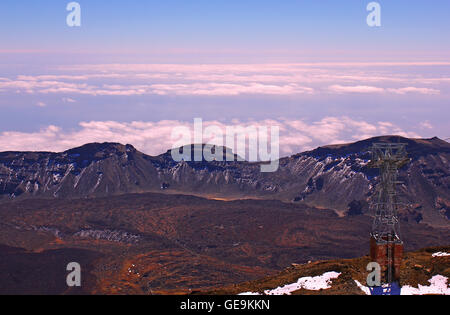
x=329, y=177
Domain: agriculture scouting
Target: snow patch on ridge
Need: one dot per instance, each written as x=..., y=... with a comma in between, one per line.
x=365, y=289
x=440, y=254
x=307, y=283
x=438, y=285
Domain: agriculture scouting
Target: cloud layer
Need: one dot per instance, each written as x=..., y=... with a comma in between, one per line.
x=230, y=80
x=156, y=137
x=389, y=88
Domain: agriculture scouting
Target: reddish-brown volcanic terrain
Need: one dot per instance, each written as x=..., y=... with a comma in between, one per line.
x=157, y=243
x=417, y=269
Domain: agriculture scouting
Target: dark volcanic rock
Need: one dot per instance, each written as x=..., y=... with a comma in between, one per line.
x=28, y=273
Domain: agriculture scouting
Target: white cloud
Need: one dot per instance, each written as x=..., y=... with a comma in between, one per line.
x=228, y=80
x=373, y=89
x=68, y=100
x=412, y=89
x=426, y=125
x=355, y=89
x=156, y=137
x=224, y=89
x=208, y=89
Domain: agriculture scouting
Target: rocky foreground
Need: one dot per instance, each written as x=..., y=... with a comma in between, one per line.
x=426, y=271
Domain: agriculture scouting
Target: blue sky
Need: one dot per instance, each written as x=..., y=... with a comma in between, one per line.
x=302, y=64
x=139, y=27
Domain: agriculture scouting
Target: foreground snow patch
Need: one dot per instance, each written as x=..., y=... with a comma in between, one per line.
x=307, y=283
x=438, y=285
x=249, y=293
x=365, y=289
x=440, y=254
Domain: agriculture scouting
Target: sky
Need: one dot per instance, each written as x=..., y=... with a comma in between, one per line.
x=134, y=70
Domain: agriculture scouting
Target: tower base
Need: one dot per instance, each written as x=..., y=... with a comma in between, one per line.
x=389, y=256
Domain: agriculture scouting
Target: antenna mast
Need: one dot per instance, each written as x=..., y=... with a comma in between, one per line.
x=386, y=245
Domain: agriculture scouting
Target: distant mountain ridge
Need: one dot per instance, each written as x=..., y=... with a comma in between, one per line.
x=334, y=177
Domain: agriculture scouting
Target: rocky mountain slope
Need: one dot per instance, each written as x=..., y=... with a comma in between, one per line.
x=333, y=177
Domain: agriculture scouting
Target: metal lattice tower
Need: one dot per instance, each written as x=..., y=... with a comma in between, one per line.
x=388, y=157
